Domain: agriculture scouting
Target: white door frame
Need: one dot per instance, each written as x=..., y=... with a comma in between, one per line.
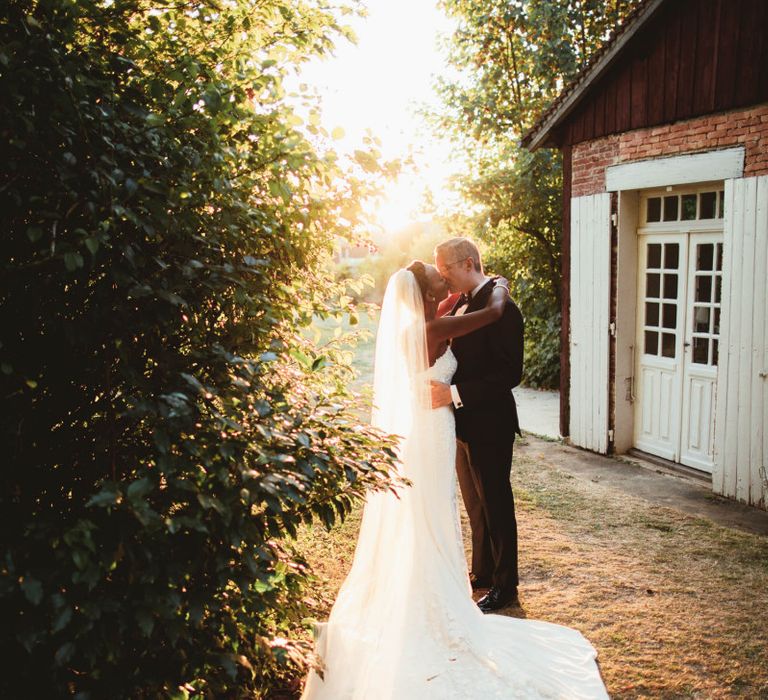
x=666, y=421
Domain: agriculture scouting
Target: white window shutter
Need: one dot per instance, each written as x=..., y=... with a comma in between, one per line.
x=741, y=436
x=589, y=316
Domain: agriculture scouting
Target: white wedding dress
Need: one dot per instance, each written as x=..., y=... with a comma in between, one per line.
x=404, y=625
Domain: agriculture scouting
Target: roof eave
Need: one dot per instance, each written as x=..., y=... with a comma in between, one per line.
x=542, y=136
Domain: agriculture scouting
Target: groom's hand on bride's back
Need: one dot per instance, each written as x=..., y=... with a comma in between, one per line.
x=441, y=394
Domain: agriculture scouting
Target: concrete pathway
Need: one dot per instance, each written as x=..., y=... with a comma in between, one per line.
x=640, y=478
x=539, y=411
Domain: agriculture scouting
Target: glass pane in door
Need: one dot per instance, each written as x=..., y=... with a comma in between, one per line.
x=661, y=302
x=705, y=320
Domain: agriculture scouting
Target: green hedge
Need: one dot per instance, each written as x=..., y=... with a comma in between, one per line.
x=164, y=428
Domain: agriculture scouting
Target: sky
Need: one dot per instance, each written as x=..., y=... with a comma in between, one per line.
x=377, y=85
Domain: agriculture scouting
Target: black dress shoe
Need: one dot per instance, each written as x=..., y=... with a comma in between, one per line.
x=497, y=598
x=479, y=582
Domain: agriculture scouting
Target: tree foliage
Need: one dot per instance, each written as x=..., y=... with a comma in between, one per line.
x=510, y=60
x=165, y=428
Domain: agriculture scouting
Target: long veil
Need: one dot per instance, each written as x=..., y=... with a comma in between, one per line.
x=367, y=632
x=400, y=387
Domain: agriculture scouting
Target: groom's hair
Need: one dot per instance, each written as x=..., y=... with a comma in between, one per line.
x=460, y=249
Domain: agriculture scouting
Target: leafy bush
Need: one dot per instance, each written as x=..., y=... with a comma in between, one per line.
x=522, y=232
x=165, y=429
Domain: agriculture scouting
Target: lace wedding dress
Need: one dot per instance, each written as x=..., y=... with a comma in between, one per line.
x=404, y=625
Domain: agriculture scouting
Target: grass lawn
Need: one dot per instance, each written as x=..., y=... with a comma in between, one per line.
x=675, y=605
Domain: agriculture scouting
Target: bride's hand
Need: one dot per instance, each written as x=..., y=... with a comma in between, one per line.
x=499, y=281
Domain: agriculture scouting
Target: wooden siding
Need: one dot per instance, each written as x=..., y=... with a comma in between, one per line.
x=741, y=435
x=589, y=317
x=693, y=58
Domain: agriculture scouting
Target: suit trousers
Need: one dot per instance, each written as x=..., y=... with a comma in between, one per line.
x=483, y=468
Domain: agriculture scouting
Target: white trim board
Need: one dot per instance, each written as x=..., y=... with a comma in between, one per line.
x=676, y=170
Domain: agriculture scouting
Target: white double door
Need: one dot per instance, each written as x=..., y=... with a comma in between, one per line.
x=678, y=312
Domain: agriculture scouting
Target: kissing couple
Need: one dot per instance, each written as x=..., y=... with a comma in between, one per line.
x=404, y=625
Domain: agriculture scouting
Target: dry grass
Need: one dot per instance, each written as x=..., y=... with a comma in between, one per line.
x=675, y=605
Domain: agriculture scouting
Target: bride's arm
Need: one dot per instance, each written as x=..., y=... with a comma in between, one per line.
x=445, y=327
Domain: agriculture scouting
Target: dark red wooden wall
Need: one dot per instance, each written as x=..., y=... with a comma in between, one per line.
x=693, y=58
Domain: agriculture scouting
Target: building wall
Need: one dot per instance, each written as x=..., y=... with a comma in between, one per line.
x=746, y=127
x=690, y=59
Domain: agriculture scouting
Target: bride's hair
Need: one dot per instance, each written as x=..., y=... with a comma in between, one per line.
x=416, y=268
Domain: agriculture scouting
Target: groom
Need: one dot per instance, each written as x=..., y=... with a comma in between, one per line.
x=490, y=363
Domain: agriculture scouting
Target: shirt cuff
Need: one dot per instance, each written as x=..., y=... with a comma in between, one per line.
x=457, y=402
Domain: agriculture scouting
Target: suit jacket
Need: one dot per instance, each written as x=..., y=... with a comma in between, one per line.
x=490, y=364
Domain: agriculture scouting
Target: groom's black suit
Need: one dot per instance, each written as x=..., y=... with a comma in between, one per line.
x=490, y=364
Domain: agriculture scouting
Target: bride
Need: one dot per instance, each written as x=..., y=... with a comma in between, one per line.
x=404, y=625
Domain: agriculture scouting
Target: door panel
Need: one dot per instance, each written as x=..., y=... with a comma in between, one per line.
x=663, y=259
x=702, y=335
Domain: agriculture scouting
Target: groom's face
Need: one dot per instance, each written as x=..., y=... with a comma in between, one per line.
x=457, y=273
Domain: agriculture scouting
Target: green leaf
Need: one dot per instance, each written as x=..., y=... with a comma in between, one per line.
x=92, y=244
x=209, y=502
x=138, y=489
x=33, y=589
x=193, y=382
x=367, y=161
x=303, y=359
x=34, y=233
x=62, y=619
x=80, y=559
x=262, y=408
x=64, y=653
x=146, y=622
x=73, y=261
x=108, y=496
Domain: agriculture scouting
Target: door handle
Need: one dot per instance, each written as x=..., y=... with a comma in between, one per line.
x=686, y=344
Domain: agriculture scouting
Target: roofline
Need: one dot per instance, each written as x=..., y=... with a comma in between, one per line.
x=538, y=134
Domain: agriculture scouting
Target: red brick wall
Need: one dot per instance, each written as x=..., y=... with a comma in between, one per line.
x=748, y=128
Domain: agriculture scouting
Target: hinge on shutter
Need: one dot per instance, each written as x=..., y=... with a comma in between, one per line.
x=615, y=220
x=610, y=436
x=612, y=328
